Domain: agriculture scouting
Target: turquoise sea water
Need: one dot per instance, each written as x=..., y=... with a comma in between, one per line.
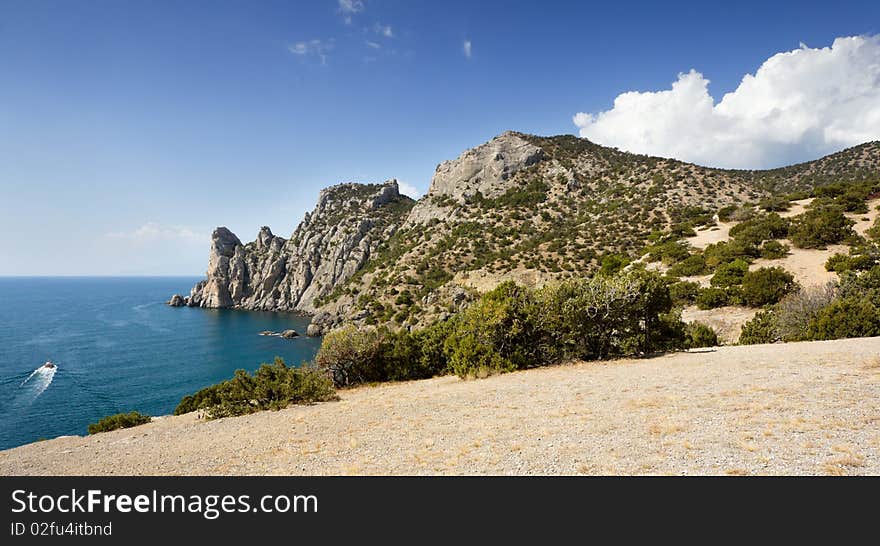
x=118, y=347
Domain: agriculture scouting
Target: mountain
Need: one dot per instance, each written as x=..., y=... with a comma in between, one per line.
x=519, y=207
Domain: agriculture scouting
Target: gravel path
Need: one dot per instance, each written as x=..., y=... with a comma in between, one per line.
x=804, y=408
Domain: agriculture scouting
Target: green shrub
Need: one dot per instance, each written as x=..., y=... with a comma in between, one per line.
x=668, y=252
x=711, y=298
x=728, y=251
x=874, y=231
x=766, y=285
x=761, y=329
x=794, y=313
x=729, y=274
x=774, y=204
x=273, y=386
x=774, y=250
x=817, y=228
x=725, y=214
x=351, y=355
x=613, y=264
x=689, y=267
x=684, y=292
x=700, y=335
x=760, y=228
x=845, y=318
x=499, y=332
x=117, y=421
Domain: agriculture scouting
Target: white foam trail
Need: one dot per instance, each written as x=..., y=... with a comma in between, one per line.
x=37, y=382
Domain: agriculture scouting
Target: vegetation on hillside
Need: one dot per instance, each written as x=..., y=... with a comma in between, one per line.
x=119, y=420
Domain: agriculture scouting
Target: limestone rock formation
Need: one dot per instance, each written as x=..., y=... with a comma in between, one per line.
x=332, y=242
x=486, y=169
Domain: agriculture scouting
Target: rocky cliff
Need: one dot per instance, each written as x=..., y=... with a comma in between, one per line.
x=331, y=243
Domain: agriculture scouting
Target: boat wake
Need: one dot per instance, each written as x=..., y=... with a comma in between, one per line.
x=35, y=384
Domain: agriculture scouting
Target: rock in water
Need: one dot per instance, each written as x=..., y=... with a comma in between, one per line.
x=289, y=334
x=177, y=301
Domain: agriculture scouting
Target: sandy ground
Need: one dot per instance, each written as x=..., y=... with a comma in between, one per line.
x=806, y=408
x=726, y=321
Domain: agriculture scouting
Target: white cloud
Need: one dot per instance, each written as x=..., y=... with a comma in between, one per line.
x=384, y=30
x=152, y=231
x=319, y=48
x=466, y=48
x=409, y=189
x=798, y=105
x=348, y=8
x=374, y=45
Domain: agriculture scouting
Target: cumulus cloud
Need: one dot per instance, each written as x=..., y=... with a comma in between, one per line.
x=318, y=48
x=798, y=105
x=349, y=7
x=152, y=231
x=409, y=189
x=466, y=48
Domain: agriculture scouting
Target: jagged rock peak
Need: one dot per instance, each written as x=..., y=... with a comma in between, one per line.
x=486, y=169
x=332, y=243
x=223, y=242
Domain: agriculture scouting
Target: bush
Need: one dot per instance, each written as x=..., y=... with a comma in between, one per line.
x=700, y=335
x=711, y=298
x=351, y=355
x=727, y=251
x=766, y=285
x=120, y=420
x=689, y=267
x=729, y=274
x=795, y=311
x=668, y=252
x=845, y=318
x=761, y=329
x=774, y=204
x=817, y=228
x=272, y=386
x=613, y=264
x=774, y=250
x=684, y=292
x=419, y=354
x=499, y=332
x=760, y=228
x=861, y=258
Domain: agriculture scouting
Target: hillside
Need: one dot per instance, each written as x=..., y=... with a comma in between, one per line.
x=519, y=207
x=797, y=408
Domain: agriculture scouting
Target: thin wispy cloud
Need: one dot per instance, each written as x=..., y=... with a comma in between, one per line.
x=383, y=30
x=152, y=231
x=374, y=45
x=798, y=105
x=317, y=48
x=466, y=48
x=350, y=7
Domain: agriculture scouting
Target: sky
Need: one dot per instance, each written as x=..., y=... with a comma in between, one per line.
x=129, y=130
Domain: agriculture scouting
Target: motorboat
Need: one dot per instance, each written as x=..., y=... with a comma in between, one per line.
x=49, y=365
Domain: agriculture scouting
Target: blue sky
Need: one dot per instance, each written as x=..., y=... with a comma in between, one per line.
x=128, y=130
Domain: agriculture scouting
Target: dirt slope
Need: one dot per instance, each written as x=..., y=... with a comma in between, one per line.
x=805, y=408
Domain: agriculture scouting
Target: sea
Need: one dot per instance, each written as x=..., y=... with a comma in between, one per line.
x=118, y=347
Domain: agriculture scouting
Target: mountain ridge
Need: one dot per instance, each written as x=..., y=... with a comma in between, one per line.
x=519, y=206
